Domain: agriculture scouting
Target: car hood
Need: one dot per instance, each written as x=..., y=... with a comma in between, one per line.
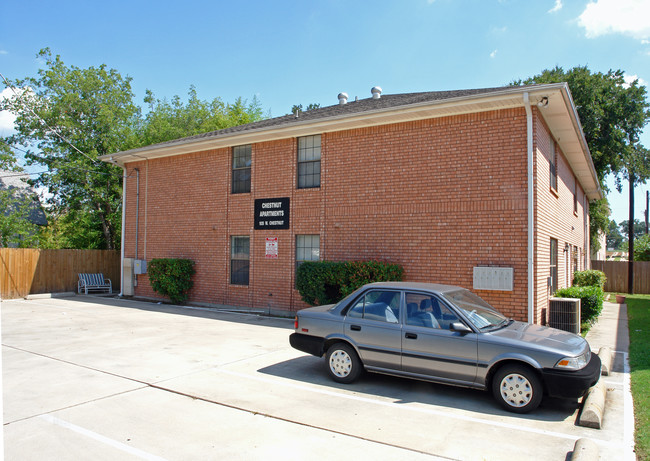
x=543, y=337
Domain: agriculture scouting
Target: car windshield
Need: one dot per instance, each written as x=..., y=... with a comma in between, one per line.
x=344, y=300
x=477, y=311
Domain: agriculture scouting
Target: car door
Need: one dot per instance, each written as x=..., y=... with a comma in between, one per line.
x=372, y=323
x=430, y=348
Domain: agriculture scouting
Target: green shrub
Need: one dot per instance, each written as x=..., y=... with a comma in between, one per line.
x=327, y=282
x=590, y=278
x=591, y=304
x=642, y=248
x=171, y=277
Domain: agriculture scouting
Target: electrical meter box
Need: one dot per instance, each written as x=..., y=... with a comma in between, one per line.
x=140, y=266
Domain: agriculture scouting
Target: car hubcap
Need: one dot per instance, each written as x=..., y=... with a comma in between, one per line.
x=340, y=363
x=516, y=390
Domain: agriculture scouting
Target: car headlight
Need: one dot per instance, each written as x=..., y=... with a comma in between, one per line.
x=574, y=363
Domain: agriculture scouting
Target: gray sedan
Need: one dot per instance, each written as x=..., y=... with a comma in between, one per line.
x=446, y=334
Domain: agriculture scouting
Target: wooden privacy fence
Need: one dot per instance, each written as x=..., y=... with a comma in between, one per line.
x=25, y=271
x=616, y=272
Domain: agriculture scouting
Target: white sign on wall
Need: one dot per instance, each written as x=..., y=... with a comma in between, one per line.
x=272, y=247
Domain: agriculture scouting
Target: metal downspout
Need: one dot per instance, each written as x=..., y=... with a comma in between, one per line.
x=137, y=217
x=531, y=214
x=122, y=230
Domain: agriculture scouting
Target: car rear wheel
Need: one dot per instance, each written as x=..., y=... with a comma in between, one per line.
x=517, y=388
x=343, y=363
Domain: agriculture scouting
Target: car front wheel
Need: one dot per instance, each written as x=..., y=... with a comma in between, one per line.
x=517, y=388
x=343, y=363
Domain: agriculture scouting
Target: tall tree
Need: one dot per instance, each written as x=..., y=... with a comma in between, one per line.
x=639, y=227
x=613, y=114
x=614, y=236
x=16, y=227
x=66, y=118
x=298, y=107
x=167, y=120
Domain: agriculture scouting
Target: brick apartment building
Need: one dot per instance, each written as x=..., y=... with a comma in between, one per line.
x=488, y=189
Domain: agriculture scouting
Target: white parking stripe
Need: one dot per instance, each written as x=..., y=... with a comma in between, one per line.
x=100, y=438
x=445, y=414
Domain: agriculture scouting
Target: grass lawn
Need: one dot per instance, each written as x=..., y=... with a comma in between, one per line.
x=638, y=311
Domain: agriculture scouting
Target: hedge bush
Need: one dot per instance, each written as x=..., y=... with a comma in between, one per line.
x=327, y=282
x=591, y=304
x=589, y=278
x=171, y=277
x=642, y=248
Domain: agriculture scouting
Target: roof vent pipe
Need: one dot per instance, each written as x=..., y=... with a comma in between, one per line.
x=376, y=92
x=343, y=98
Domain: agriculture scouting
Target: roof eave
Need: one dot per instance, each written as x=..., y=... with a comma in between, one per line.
x=566, y=129
x=506, y=98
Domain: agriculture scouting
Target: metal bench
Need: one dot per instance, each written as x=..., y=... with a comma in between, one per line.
x=94, y=282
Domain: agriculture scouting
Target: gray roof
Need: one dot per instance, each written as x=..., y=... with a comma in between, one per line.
x=12, y=180
x=352, y=107
x=554, y=101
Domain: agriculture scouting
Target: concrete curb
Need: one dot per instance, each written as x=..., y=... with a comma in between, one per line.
x=584, y=450
x=605, y=354
x=594, y=407
x=65, y=294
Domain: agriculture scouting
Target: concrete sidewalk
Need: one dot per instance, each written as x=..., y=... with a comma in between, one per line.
x=611, y=331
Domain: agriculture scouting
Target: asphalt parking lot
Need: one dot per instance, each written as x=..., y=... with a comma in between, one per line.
x=88, y=377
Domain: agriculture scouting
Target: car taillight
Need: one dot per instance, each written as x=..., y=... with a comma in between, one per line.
x=295, y=323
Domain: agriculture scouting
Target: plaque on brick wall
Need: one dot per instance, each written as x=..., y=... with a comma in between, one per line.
x=272, y=213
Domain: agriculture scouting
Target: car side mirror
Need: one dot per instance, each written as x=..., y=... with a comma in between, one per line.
x=460, y=328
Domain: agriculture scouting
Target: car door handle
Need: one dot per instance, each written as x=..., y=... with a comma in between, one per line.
x=411, y=336
x=355, y=328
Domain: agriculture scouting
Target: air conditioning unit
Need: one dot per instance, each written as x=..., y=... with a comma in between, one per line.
x=564, y=314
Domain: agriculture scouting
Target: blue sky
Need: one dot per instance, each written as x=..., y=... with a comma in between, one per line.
x=301, y=52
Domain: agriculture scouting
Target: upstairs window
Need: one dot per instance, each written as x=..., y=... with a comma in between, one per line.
x=553, y=166
x=241, y=169
x=575, y=195
x=309, y=161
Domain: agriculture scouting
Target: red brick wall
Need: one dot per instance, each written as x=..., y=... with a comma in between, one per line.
x=437, y=196
x=555, y=218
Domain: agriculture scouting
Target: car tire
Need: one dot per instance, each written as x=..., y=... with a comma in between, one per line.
x=343, y=363
x=517, y=388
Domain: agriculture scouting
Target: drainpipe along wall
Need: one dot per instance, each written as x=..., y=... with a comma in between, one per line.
x=531, y=211
x=137, y=217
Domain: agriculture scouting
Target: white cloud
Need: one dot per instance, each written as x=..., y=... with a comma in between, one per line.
x=557, y=7
x=631, y=78
x=493, y=54
x=627, y=17
x=6, y=118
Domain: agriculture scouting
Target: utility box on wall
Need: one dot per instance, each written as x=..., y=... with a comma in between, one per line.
x=494, y=278
x=140, y=266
